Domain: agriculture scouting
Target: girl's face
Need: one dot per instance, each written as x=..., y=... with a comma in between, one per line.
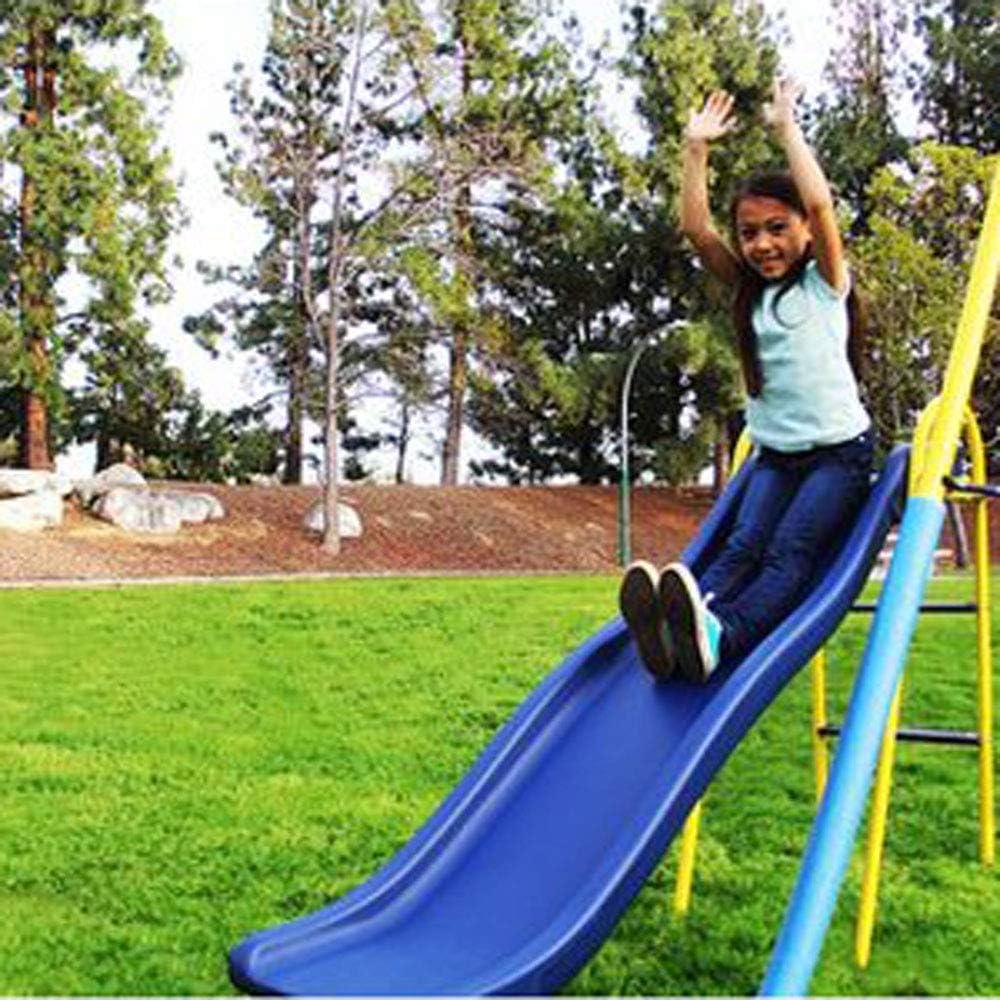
x=772, y=236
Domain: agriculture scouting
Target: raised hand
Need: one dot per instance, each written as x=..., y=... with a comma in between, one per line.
x=713, y=121
x=779, y=113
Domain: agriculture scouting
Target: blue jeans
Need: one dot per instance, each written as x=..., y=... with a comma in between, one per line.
x=794, y=507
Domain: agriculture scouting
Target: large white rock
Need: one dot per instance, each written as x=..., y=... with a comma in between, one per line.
x=32, y=512
x=157, y=511
x=193, y=508
x=350, y=522
x=120, y=474
x=138, y=510
x=19, y=482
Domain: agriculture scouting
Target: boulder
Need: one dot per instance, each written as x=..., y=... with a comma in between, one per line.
x=138, y=510
x=32, y=512
x=193, y=508
x=156, y=511
x=350, y=522
x=19, y=482
x=120, y=474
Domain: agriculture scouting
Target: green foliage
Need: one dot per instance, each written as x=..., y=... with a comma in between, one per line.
x=595, y=267
x=149, y=418
x=184, y=765
x=549, y=395
x=916, y=208
x=357, y=446
x=912, y=267
x=126, y=400
x=326, y=287
x=956, y=82
x=99, y=201
x=279, y=165
x=677, y=54
x=494, y=90
x=546, y=394
x=854, y=125
x=256, y=451
x=202, y=445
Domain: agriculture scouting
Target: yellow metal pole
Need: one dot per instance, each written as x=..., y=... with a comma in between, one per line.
x=987, y=822
x=685, y=869
x=880, y=803
x=965, y=351
x=865, y=926
x=921, y=435
x=744, y=446
x=876, y=836
x=689, y=841
x=821, y=754
x=984, y=657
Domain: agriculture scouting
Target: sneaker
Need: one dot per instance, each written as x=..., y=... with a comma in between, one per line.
x=696, y=632
x=643, y=613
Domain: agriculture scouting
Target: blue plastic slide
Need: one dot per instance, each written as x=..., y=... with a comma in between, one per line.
x=527, y=866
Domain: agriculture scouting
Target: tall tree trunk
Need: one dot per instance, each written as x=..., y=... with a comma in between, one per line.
x=34, y=453
x=298, y=349
x=720, y=458
x=959, y=535
x=402, y=442
x=108, y=451
x=102, y=447
x=458, y=371
x=956, y=111
x=34, y=298
x=335, y=266
x=331, y=499
x=292, y=474
x=458, y=376
x=588, y=465
x=297, y=358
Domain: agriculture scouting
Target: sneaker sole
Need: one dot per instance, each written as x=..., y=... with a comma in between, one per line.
x=679, y=594
x=640, y=607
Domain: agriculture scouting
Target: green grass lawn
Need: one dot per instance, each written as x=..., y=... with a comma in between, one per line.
x=182, y=765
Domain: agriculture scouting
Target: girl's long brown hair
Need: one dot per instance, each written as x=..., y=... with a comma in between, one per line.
x=780, y=187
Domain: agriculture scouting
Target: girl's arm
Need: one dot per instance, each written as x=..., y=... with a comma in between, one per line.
x=828, y=248
x=712, y=122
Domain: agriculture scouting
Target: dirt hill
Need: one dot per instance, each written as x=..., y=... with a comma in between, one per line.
x=406, y=529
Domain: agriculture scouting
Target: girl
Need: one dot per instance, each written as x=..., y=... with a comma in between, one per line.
x=796, y=334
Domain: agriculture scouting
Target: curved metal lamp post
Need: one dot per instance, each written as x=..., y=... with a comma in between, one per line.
x=624, y=487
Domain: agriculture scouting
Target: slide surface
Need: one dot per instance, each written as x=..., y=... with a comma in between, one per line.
x=527, y=866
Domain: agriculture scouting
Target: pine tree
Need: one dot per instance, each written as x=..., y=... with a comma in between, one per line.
x=279, y=166
x=913, y=267
x=491, y=87
x=127, y=399
x=957, y=78
x=855, y=126
x=95, y=194
x=318, y=161
x=679, y=52
x=594, y=269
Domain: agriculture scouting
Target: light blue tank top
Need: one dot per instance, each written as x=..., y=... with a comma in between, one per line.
x=810, y=395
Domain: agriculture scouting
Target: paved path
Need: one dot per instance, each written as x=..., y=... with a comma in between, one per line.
x=152, y=581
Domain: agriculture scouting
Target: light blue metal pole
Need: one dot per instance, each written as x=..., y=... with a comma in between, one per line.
x=835, y=828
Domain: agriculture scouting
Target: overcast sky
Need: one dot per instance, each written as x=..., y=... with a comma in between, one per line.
x=212, y=35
